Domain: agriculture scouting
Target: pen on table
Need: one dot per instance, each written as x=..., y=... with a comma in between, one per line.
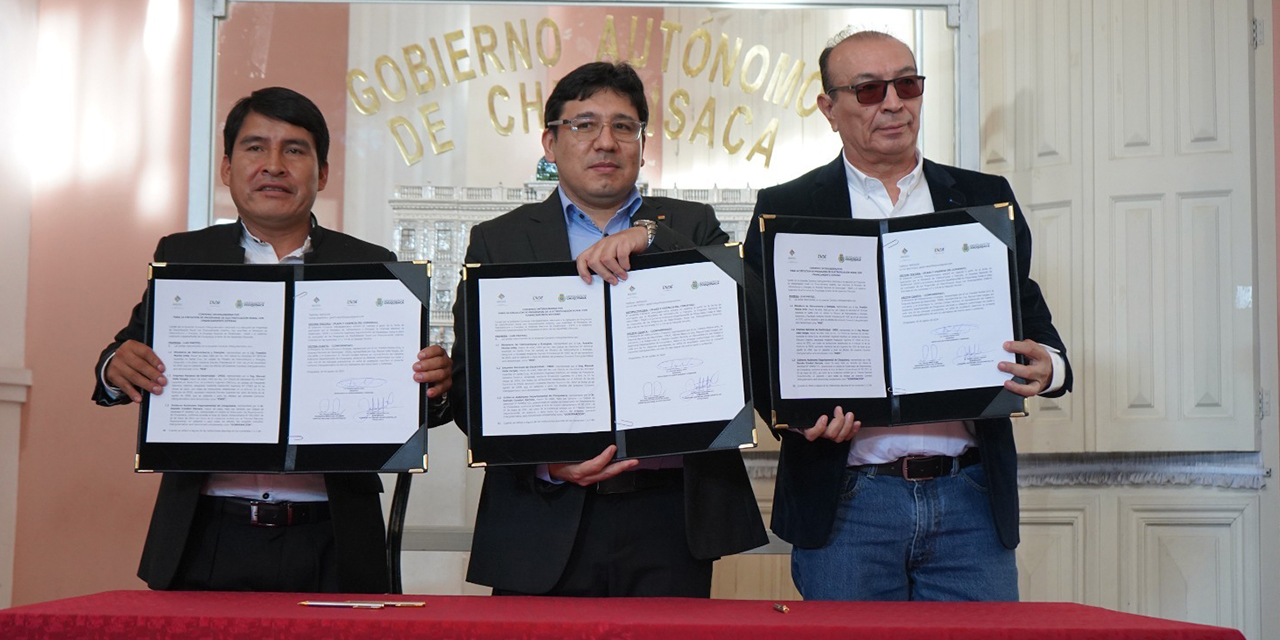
x=781, y=608
x=363, y=604
x=343, y=605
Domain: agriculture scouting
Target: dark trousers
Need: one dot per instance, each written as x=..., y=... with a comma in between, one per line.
x=633, y=545
x=224, y=553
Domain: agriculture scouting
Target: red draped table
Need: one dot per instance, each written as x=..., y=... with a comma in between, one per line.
x=145, y=615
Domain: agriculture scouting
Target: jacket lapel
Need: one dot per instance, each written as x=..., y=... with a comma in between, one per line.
x=831, y=191
x=224, y=248
x=650, y=210
x=548, y=235
x=942, y=188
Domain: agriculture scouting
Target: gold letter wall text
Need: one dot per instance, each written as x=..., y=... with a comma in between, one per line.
x=464, y=55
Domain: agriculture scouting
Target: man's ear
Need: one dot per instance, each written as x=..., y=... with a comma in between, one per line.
x=548, y=137
x=225, y=171
x=324, y=177
x=825, y=105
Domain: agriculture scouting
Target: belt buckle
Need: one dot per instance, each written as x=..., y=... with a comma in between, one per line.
x=267, y=514
x=906, y=466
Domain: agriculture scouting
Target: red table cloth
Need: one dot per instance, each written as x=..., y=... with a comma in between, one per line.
x=144, y=615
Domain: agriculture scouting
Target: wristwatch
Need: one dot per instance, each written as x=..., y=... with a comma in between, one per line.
x=649, y=226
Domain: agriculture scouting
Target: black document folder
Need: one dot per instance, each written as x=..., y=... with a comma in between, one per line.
x=208, y=425
x=536, y=395
x=809, y=377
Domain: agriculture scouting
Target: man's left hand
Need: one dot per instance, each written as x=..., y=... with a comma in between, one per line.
x=435, y=368
x=1037, y=373
x=611, y=255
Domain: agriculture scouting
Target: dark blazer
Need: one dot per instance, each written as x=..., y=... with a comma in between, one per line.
x=359, y=533
x=525, y=527
x=809, y=474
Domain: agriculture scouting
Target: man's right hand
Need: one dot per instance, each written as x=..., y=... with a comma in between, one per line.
x=593, y=470
x=136, y=367
x=839, y=427
x=610, y=256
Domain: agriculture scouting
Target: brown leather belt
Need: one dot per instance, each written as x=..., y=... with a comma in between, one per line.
x=269, y=514
x=923, y=467
x=629, y=481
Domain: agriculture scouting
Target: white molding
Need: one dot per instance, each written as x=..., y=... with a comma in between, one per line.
x=1264, y=299
x=204, y=32
x=14, y=383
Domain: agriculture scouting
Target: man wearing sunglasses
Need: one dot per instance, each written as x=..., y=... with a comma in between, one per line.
x=602, y=527
x=918, y=512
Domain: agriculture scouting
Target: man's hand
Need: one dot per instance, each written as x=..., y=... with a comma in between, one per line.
x=435, y=368
x=591, y=471
x=136, y=368
x=611, y=255
x=1038, y=373
x=839, y=427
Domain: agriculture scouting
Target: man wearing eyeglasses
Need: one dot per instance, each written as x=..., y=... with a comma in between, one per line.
x=602, y=527
x=918, y=512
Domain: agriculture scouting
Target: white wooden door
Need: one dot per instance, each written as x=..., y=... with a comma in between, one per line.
x=1172, y=211
x=1124, y=127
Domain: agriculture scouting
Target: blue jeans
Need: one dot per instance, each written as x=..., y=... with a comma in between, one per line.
x=897, y=539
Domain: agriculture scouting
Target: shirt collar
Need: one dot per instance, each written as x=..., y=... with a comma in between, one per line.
x=863, y=184
x=633, y=202
x=255, y=246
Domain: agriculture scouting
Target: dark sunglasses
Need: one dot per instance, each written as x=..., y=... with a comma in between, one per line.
x=874, y=91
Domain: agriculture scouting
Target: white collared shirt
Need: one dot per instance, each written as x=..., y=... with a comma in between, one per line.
x=869, y=199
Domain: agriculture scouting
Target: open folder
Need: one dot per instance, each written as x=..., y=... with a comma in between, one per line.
x=558, y=370
x=286, y=368
x=900, y=320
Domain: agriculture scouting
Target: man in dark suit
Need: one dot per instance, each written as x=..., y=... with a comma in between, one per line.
x=600, y=527
x=305, y=532
x=920, y=512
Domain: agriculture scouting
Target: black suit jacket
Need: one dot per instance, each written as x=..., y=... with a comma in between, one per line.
x=525, y=527
x=809, y=473
x=359, y=533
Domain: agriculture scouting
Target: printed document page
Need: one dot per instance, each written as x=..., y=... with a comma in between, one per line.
x=830, y=341
x=949, y=308
x=222, y=344
x=542, y=356
x=354, y=345
x=677, y=355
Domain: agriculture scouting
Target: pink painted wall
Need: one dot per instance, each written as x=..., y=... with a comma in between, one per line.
x=115, y=184
x=110, y=171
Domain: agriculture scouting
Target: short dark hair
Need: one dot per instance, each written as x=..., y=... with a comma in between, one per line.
x=839, y=39
x=279, y=103
x=592, y=78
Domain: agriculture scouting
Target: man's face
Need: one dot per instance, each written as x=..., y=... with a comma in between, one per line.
x=595, y=172
x=273, y=172
x=873, y=134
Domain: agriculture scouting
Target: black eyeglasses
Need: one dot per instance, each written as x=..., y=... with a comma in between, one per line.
x=874, y=91
x=589, y=128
